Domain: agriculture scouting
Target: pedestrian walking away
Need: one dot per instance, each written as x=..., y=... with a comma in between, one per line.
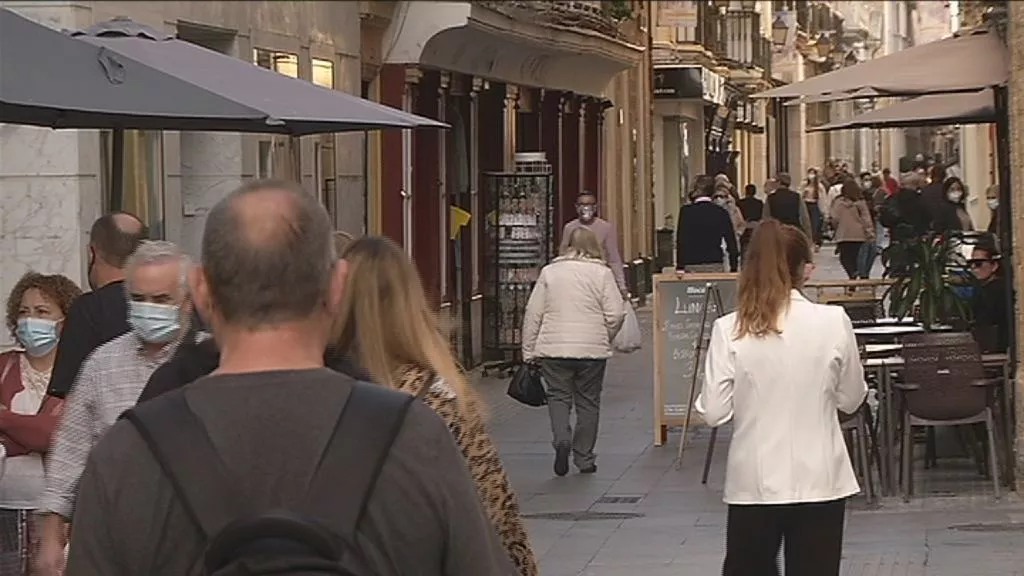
x=853, y=226
x=779, y=368
x=702, y=230
x=787, y=206
x=36, y=309
x=752, y=210
x=369, y=480
x=572, y=316
x=111, y=380
x=386, y=320
x=101, y=315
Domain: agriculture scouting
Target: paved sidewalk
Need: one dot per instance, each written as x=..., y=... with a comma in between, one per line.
x=639, y=515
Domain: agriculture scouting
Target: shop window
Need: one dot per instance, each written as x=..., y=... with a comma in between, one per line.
x=280, y=62
x=323, y=73
x=325, y=166
x=143, y=177
x=275, y=153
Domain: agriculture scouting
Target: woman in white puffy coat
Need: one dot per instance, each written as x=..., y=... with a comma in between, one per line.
x=573, y=314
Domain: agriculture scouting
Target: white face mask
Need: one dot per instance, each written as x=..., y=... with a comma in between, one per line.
x=954, y=195
x=993, y=203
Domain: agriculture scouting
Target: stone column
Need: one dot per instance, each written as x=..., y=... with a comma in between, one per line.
x=511, y=113
x=49, y=185
x=1016, y=112
x=443, y=86
x=477, y=221
x=412, y=78
x=211, y=167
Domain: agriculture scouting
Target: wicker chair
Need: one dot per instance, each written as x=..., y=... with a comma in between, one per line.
x=945, y=385
x=857, y=427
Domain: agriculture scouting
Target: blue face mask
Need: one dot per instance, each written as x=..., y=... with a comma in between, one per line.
x=37, y=335
x=154, y=323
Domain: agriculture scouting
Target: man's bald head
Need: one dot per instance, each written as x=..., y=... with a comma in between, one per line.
x=268, y=255
x=115, y=236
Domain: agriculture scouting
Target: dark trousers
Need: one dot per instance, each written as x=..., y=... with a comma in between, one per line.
x=814, y=211
x=812, y=534
x=849, y=253
x=574, y=382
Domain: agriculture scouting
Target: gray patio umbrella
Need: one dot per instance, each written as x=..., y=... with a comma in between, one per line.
x=50, y=79
x=120, y=74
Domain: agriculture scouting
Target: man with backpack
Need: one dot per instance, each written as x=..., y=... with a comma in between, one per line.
x=274, y=464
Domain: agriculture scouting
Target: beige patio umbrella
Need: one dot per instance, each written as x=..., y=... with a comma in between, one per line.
x=965, y=63
x=933, y=110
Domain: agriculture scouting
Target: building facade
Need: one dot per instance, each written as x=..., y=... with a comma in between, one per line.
x=561, y=82
x=708, y=58
x=53, y=184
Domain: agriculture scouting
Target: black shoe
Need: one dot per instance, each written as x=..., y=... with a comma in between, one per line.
x=561, y=460
x=589, y=469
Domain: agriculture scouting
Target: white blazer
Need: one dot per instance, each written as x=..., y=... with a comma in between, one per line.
x=782, y=393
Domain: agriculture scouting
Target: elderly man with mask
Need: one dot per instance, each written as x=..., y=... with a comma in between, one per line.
x=586, y=210
x=111, y=380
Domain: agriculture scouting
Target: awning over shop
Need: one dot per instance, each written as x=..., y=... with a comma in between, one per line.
x=471, y=38
x=965, y=63
x=934, y=110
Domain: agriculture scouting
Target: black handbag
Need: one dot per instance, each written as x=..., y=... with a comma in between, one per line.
x=527, y=386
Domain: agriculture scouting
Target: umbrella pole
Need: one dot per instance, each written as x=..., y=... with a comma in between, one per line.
x=117, y=170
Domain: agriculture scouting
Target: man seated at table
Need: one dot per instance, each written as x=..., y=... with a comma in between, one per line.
x=991, y=318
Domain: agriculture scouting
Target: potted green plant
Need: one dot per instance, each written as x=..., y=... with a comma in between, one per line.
x=929, y=276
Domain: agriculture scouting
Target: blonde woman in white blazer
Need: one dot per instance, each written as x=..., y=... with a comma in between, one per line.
x=572, y=316
x=780, y=368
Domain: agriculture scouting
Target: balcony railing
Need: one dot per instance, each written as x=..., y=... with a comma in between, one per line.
x=735, y=38
x=589, y=15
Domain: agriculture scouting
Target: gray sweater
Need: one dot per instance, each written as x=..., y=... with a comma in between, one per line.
x=424, y=516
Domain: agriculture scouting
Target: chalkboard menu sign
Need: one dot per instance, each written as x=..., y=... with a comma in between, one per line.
x=679, y=302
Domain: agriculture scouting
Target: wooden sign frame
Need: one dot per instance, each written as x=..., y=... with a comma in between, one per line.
x=661, y=421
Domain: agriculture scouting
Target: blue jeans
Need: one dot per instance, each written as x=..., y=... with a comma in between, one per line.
x=866, y=259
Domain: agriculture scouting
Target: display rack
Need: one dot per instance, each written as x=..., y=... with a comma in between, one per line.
x=519, y=242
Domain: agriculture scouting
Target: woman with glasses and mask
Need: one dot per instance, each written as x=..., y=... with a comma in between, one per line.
x=36, y=309
x=991, y=316
x=781, y=368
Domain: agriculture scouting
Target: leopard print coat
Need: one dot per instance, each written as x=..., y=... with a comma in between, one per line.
x=470, y=432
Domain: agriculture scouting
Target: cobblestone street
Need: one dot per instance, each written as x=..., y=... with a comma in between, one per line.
x=640, y=515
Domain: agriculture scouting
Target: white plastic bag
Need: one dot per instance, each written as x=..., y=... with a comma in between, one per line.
x=629, y=338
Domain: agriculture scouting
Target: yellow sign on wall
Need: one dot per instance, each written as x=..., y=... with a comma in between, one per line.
x=457, y=218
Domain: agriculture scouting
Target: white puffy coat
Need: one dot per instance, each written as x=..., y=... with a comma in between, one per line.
x=574, y=311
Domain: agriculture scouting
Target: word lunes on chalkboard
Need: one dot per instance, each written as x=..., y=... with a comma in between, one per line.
x=678, y=312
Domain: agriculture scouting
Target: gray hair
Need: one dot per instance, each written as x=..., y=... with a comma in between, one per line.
x=268, y=264
x=157, y=252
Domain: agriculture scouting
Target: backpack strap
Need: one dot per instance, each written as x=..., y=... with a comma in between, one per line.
x=179, y=442
x=347, y=473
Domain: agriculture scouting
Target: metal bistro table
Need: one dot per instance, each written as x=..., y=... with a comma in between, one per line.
x=887, y=411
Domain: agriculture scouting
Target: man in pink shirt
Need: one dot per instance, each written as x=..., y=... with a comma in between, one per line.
x=586, y=210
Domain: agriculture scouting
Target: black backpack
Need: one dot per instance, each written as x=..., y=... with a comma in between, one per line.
x=278, y=542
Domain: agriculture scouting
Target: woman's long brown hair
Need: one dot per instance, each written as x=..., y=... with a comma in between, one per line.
x=774, y=266
x=385, y=321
